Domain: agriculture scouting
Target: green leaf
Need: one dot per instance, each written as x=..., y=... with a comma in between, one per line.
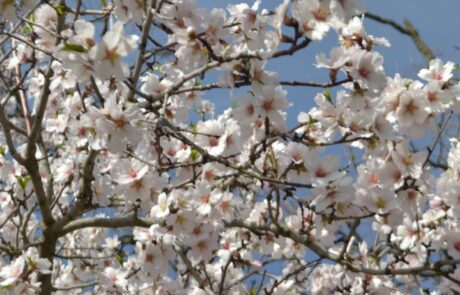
x=194, y=155
x=197, y=82
x=194, y=128
x=157, y=67
x=74, y=47
x=60, y=9
x=407, y=84
x=104, y=3
x=26, y=30
x=92, y=130
x=311, y=120
x=23, y=181
x=6, y=288
x=253, y=291
x=328, y=96
x=2, y=150
x=120, y=258
x=272, y=160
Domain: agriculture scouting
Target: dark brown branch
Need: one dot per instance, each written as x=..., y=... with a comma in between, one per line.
x=408, y=30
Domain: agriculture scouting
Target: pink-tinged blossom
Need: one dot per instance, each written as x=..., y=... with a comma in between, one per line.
x=297, y=152
x=412, y=109
x=113, y=278
x=322, y=170
x=324, y=279
x=226, y=204
x=80, y=133
x=80, y=64
x=366, y=68
x=452, y=239
x=260, y=77
x=245, y=112
x=271, y=103
x=153, y=86
x=176, y=111
x=453, y=158
x=407, y=234
x=247, y=15
x=437, y=71
x=84, y=33
x=22, y=55
x=354, y=34
x=251, y=26
x=137, y=182
x=449, y=191
x=346, y=9
x=62, y=79
x=259, y=213
x=108, y=54
x=410, y=201
x=211, y=171
x=35, y=263
x=161, y=209
x=153, y=257
x=408, y=162
x=175, y=150
x=66, y=170
x=129, y=10
x=378, y=200
x=232, y=136
x=338, y=193
x=214, y=27
x=47, y=18
x=202, y=247
x=116, y=126
x=182, y=10
x=204, y=199
x=102, y=190
x=181, y=222
x=313, y=16
x=14, y=272
x=190, y=51
x=438, y=99
x=338, y=58
x=209, y=136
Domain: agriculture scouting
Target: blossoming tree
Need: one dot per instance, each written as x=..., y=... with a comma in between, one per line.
x=118, y=178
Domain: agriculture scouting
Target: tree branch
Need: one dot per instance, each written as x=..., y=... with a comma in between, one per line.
x=131, y=220
x=408, y=30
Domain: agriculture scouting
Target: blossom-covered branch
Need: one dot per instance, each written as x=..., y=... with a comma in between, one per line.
x=146, y=148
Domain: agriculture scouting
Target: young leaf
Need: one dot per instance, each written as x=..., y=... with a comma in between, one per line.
x=74, y=48
x=328, y=96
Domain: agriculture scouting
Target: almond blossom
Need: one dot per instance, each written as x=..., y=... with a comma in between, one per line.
x=13, y=273
x=313, y=17
x=438, y=71
x=114, y=125
x=109, y=53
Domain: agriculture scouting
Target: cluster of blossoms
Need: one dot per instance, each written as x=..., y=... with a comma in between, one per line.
x=117, y=176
